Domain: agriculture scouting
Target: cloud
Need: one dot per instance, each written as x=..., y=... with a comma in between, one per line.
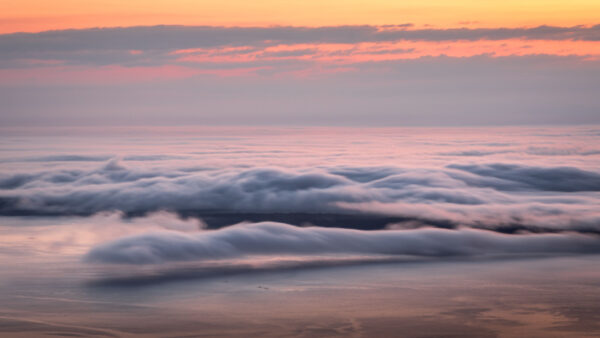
x=538, y=151
x=289, y=53
x=68, y=158
x=475, y=153
x=185, y=37
x=148, y=45
x=513, y=176
x=278, y=239
x=73, y=236
x=505, y=197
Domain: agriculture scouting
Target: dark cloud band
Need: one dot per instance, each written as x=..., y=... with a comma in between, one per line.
x=182, y=37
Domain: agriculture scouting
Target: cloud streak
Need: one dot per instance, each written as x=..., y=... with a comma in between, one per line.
x=278, y=239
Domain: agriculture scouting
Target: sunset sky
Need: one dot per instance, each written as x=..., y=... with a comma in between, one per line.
x=299, y=62
x=301, y=168
x=37, y=16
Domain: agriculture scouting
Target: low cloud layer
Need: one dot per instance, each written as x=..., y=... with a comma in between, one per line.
x=278, y=239
x=504, y=197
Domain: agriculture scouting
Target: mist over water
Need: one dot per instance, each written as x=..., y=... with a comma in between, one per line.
x=183, y=231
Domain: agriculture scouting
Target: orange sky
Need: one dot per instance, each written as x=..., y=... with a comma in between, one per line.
x=36, y=15
x=40, y=15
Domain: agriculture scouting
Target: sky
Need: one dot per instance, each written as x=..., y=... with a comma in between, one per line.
x=299, y=63
x=36, y=16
